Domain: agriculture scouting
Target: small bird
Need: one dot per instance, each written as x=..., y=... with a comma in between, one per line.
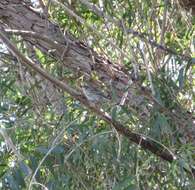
x=93, y=94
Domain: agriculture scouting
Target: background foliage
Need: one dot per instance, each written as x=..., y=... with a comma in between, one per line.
x=76, y=149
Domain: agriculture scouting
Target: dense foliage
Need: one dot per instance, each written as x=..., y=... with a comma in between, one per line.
x=49, y=140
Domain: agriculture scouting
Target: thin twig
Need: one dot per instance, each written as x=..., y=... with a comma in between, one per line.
x=142, y=36
x=55, y=142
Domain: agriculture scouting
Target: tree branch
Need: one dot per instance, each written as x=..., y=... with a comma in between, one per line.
x=139, y=139
x=142, y=36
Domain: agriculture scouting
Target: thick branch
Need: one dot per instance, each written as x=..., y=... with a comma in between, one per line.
x=139, y=139
x=136, y=138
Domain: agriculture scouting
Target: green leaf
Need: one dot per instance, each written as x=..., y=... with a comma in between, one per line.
x=181, y=77
x=19, y=178
x=115, y=111
x=56, y=150
x=126, y=184
x=12, y=182
x=24, y=168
